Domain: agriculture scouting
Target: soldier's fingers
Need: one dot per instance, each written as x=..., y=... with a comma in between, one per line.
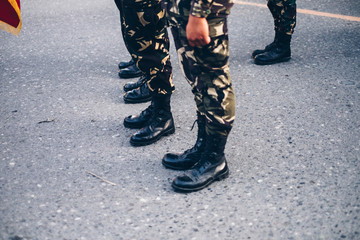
x=194, y=43
x=207, y=40
x=198, y=42
x=191, y=43
x=202, y=42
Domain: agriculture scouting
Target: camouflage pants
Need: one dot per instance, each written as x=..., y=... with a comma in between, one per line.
x=207, y=71
x=146, y=38
x=122, y=20
x=284, y=14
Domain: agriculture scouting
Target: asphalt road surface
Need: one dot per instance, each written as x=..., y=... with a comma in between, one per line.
x=293, y=153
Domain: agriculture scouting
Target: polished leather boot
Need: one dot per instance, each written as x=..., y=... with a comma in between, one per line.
x=130, y=72
x=190, y=157
x=280, y=53
x=161, y=123
x=132, y=85
x=138, y=95
x=211, y=167
x=140, y=120
x=267, y=48
x=123, y=65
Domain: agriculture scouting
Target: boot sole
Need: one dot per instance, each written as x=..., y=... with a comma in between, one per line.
x=166, y=133
x=217, y=178
x=273, y=62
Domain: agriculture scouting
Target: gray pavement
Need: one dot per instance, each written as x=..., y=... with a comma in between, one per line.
x=293, y=152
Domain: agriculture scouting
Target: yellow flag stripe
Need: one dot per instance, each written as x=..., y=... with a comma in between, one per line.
x=306, y=11
x=6, y=27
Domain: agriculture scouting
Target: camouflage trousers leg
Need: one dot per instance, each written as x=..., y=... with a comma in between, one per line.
x=148, y=43
x=119, y=5
x=207, y=71
x=284, y=14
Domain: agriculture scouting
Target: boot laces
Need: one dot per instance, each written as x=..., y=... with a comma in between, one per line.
x=199, y=169
x=195, y=146
x=193, y=125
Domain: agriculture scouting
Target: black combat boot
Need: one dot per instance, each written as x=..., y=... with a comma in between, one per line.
x=190, y=157
x=268, y=47
x=141, y=120
x=138, y=95
x=160, y=124
x=130, y=72
x=123, y=65
x=211, y=167
x=280, y=53
x=132, y=85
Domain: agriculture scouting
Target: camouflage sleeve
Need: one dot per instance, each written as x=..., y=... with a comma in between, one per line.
x=201, y=8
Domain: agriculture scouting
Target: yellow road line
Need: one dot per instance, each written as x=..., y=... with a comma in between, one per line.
x=306, y=11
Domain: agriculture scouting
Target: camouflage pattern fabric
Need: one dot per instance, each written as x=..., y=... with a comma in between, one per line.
x=146, y=38
x=207, y=68
x=122, y=20
x=284, y=14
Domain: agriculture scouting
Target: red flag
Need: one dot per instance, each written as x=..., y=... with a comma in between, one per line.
x=10, y=17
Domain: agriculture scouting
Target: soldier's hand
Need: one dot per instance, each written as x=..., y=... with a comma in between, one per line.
x=197, y=31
